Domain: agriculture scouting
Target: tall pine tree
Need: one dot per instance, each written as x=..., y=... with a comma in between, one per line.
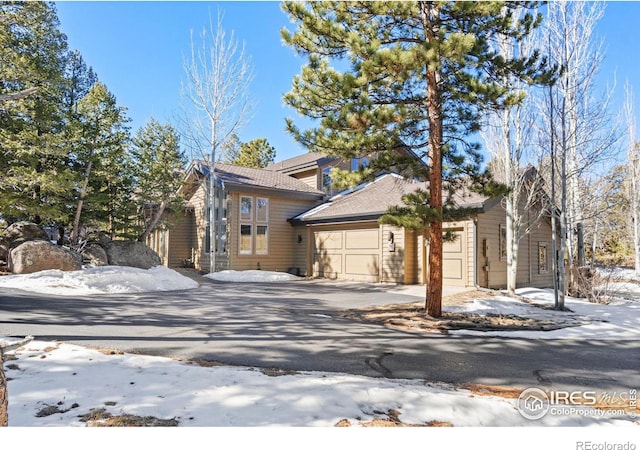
x=380, y=75
x=159, y=171
x=33, y=162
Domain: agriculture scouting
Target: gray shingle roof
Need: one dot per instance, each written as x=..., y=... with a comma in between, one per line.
x=302, y=161
x=232, y=175
x=371, y=200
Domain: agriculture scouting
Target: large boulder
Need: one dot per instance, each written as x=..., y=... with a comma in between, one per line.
x=34, y=256
x=95, y=255
x=20, y=232
x=131, y=253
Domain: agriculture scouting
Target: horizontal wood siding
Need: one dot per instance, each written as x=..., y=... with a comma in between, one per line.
x=492, y=270
x=393, y=256
x=410, y=257
x=182, y=237
x=282, y=239
x=197, y=202
x=309, y=177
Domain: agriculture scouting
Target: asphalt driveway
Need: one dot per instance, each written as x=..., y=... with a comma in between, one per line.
x=293, y=326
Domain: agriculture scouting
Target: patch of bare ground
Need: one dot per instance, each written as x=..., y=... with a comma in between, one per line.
x=391, y=418
x=412, y=316
x=101, y=418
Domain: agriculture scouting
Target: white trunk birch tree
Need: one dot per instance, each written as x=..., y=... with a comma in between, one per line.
x=583, y=133
x=633, y=158
x=508, y=136
x=218, y=75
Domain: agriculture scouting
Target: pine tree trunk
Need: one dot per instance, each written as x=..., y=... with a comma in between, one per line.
x=430, y=14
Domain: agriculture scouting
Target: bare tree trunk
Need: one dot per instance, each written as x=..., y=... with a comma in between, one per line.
x=83, y=192
x=4, y=396
x=154, y=220
x=17, y=95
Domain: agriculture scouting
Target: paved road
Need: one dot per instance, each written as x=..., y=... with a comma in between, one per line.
x=294, y=327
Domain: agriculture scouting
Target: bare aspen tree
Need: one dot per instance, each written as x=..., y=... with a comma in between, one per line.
x=508, y=136
x=584, y=135
x=633, y=157
x=218, y=75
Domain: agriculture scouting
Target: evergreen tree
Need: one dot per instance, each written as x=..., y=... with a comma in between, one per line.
x=256, y=153
x=159, y=165
x=36, y=171
x=417, y=74
x=102, y=138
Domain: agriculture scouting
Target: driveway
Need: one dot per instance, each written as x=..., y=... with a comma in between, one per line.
x=293, y=326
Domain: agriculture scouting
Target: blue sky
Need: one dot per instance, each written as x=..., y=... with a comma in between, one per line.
x=137, y=50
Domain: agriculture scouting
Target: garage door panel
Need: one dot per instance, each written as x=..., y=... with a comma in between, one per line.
x=454, y=259
x=328, y=240
x=327, y=264
x=362, y=239
x=356, y=264
x=452, y=269
x=455, y=246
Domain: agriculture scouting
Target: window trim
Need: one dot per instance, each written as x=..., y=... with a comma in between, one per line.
x=266, y=219
x=502, y=242
x=240, y=250
x=250, y=213
x=266, y=236
x=543, y=269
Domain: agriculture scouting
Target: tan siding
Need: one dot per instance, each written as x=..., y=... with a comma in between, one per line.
x=393, y=261
x=310, y=177
x=282, y=237
x=197, y=202
x=496, y=277
x=411, y=274
x=181, y=243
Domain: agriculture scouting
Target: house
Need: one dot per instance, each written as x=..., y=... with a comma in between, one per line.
x=286, y=218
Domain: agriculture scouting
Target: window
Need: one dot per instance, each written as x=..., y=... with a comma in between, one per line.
x=503, y=243
x=246, y=208
x=357, y=162
x=543, y=265
x=246, y=232
x=326, y=180
x=254, y=231
x=262, y=209
x=262, y=239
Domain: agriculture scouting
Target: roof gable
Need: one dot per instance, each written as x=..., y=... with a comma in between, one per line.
x=236, y=177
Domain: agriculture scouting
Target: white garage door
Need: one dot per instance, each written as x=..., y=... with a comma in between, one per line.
x=454, y=257
x=348, y=254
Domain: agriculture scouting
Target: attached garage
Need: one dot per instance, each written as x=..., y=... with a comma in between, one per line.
x=347, y=252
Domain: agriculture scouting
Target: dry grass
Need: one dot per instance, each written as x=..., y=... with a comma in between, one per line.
x=412, y=316
x=391, y=419
x=101, y=418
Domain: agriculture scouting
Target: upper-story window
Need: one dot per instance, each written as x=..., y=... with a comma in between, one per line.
x=357, y=162
x=326, y=180
x=254, y=228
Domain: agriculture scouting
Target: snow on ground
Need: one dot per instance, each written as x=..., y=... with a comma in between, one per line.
x=100, y=280
x=77, y=379
x=252, y=276
x=619, y=320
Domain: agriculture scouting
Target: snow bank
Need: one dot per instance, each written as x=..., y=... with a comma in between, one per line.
x=100, y=280
x=76, y=379
x=252, y=276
